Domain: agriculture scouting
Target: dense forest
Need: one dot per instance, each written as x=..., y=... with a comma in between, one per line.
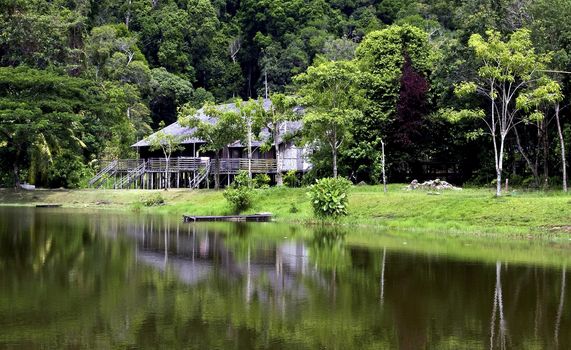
x=476, y=88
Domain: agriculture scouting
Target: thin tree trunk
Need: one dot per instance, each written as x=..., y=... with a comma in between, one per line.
x=498, y=170
x=495, y=143
x=16, y=173
x=250, y=148
x=217, y=175
x=128, y=14
x=562, y=145
x=279, y=178
x=545, y=155
x=383, y=166
x=334, y=153
x=532, y=167
x=334, y=162
x=500, y=167
x=167, y=158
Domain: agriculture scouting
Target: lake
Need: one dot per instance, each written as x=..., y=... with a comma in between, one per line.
x=75, y=279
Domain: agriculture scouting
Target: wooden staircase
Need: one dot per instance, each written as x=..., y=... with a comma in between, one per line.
x=204, y=172
x=132, y=176
x=103, y=175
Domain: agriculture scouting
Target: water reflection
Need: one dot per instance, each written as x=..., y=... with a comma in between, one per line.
x=99, y=280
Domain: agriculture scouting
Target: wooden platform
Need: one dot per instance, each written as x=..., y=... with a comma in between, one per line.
x=265, y=217
x=48, y=205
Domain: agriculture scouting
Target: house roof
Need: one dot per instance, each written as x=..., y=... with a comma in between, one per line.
x=177, y=130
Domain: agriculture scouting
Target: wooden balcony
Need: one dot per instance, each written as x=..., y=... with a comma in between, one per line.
x=234, y=165
x=182, y=164
x=180, y=171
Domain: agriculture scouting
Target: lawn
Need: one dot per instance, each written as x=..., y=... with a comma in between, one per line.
x=476, y=211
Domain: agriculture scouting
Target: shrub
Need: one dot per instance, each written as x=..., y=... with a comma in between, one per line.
x=293, y=208
x=153, y=200
x=239, y=193
x=290, y=179
x=262, y=181
x=329, y=197
x=242, y=179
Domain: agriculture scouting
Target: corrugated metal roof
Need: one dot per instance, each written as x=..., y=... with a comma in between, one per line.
x=178, y=130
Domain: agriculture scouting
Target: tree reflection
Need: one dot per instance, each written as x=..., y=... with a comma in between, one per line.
x=560, y=307
x=327, y=249
x=105, y=281
x=499, y=342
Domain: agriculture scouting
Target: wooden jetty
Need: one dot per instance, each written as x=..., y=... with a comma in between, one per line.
x=48, y=205
x=263, y=217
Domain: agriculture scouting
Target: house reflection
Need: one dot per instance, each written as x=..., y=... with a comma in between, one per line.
x=194, y=253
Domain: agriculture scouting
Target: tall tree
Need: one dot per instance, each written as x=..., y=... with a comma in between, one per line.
x=331, y=94
x=511, y=77
x=220, y=128
x=280, y=112
x=395, y=64
x=168, y=144
x=247, y=111
x=43, y=113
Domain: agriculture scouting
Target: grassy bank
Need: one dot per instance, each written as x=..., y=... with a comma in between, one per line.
x=471, y=210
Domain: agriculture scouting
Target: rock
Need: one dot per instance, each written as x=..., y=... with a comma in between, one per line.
x=433, y=185
x=362, y=183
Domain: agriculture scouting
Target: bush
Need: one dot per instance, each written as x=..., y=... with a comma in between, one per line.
x=153, y=200
x=68, y=170
x=242, y=179
x=239, y=193
x=329, y=197
x=290, y=179
x=262, y=181
x=293, y=208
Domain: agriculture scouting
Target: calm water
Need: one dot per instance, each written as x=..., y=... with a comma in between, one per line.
x=72, y=280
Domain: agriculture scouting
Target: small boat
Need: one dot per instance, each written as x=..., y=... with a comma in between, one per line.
x=261, y=217
x=48, y=205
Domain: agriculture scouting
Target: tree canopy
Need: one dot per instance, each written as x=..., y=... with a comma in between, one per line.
x=118, y=69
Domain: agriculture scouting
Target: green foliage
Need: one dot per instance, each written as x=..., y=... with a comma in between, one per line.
x=293, y=208
x=153, y=200
x=291, y=179
x=68, y=170
x=228, y=128
x=44, y=115
x=333, y=97
x=239, y=193
x=141, y=60
x=511, y=76
x=262, y=181
x=329, y=197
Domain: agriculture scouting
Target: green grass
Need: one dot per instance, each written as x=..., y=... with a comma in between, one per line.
x=475, y=211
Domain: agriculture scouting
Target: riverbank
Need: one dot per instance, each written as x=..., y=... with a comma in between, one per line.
x=474, y=211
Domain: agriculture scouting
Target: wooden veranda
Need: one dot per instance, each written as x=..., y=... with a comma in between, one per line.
x=179, y=172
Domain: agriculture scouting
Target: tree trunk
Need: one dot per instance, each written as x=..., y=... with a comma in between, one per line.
x=334, y=162
x=16, y=173
x=562, y=145
x=545, y=155
x=250, y=148
x=531, y=166
x=279, y=178
x=383, y=166
x=128, y=14
x=499, y=165
x=167, y=173
x=217, y=173
x=334, y=151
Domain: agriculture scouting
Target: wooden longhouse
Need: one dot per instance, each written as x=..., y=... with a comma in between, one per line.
x=193, y=167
